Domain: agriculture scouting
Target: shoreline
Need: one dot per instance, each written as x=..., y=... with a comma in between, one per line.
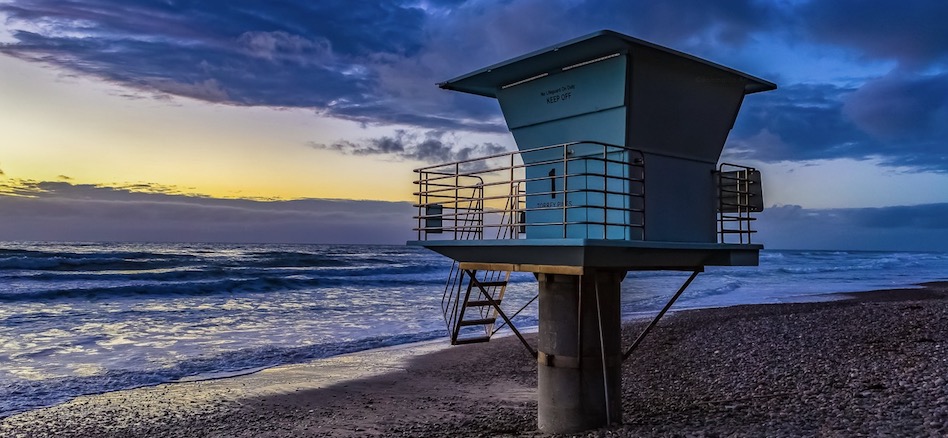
x=675, y=379
x=639, y=317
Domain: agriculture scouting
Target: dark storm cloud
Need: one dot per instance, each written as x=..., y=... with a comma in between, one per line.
x=694, y=24
x=376, y=62
x=901, y=119
x=905, y=228
x=907, y=115
x=923, y=217
x=901, y=107
x=910, y=31
x=432, y=147
x=799, y=122
x=76, y=212
x=290, y=53
x=63, y=211
x=65, y=189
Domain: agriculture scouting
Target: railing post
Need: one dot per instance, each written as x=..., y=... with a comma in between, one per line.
x=720, y=207
x=481, y=204
x=421, y=206
x=605, y=192
x=511, y=201
x=644, y=196
x=742, y=197
x=457, y=202
x=565, y=179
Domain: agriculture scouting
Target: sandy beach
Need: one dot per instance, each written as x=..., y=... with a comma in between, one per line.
x=873, y=364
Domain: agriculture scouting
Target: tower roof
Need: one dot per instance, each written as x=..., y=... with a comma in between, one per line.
x=489, y=80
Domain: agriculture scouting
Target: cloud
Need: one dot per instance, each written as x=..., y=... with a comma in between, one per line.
x=295, y=53
x=910, y=31
x=902, y=228
x=691, y=23
x=901, y=119
x=430, y=148
x=61, y=211
x=921, y=217
x=377, y=63
x=209, y=89
x=280, y=46
x=799, y=122
x=924, y=217
x=899, y=107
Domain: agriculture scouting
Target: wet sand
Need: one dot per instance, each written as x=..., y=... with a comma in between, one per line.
x=874, y=364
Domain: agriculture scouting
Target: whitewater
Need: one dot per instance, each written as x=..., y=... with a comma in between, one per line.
x=82, y=318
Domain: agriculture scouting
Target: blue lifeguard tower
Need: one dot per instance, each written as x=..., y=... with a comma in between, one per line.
x=617, y=170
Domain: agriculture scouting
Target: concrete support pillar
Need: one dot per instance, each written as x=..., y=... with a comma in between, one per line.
x=575, y=390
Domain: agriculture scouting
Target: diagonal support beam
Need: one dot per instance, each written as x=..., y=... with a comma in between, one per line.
x=516, y=313
x=660, y=314
x=496, y=306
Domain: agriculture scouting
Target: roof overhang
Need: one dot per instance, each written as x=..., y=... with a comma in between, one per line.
x=487, y=81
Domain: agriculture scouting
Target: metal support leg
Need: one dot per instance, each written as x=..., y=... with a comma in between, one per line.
x=602, y=350
x=580, y=352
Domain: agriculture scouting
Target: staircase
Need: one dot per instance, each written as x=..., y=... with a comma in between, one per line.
x=480, y=307
x=472, y=297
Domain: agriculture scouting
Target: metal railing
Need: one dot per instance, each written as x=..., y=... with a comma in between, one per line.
x=579, y=189
x=739, y=194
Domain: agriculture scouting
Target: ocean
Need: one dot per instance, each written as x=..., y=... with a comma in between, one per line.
x=82, y=318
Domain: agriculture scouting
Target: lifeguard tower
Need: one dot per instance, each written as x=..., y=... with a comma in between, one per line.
x=617, y=170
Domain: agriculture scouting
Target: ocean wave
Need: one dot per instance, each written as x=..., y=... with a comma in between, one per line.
x=323, y=259
x=172, y=274
x=98, y=262
x=728, y=287
x=771, y=255
x=22, y=395
x=204, y=272
x=290, y=260
x=74, y=262
x=213, y=287
x=870, y=265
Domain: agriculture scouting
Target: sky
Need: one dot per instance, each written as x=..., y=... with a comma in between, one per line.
x=301, y=121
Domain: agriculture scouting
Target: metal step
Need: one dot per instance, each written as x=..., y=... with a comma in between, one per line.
x=477, y=340
x=492, y=283
x=477, y=302
x=480, y=303
x=476, y=322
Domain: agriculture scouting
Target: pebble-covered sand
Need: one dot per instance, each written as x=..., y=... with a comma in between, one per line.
x=875, y=365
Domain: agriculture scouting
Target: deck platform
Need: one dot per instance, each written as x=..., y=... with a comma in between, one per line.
x=528, y=255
